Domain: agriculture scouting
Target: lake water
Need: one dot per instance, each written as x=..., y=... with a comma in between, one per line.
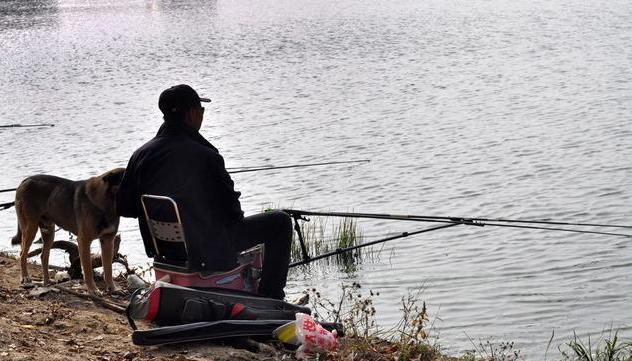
x=484, y=108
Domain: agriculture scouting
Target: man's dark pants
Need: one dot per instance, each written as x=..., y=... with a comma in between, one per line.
x=274, y=229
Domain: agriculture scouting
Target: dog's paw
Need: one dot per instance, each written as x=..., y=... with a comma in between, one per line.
x=95, y=292
x=114, y=290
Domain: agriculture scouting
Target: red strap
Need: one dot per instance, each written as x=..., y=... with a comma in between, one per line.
x=237, y=309
x=154, y=304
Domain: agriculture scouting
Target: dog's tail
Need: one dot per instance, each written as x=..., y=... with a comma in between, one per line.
x=17, y=239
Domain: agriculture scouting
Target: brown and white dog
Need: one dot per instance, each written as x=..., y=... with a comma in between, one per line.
x=86, y=208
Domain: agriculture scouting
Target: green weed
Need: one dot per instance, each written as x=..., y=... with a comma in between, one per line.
x=319, y=238
x=608, y=348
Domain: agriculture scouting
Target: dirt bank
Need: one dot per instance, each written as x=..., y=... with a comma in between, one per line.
x=57, y=325
x=61, y=326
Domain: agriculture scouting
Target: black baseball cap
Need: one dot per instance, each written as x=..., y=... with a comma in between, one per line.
x=179, y=98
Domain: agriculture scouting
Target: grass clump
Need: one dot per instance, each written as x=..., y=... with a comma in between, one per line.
x=347, y=234
x=609, y=348
x=491, y=351
x=364, y=340
x=354, y=310
x=412, y=331
x=320, y=238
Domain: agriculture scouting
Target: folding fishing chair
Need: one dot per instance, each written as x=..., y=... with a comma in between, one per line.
x=172, y=262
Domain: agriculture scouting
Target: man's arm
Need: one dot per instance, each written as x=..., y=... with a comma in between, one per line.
x=229, y=198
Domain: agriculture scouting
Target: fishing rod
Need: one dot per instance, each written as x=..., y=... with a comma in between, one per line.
x=261, y=168
x=26, y=125
x=8, y=205
x=505, y=220
x=307, y=259
x=464, y=220
x=451, y=221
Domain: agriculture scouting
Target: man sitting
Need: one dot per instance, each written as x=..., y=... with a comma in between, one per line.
x=180, y=163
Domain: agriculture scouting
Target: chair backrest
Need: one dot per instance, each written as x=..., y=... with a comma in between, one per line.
x=166, y=229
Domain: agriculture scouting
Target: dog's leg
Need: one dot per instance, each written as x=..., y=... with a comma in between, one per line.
x=48, y=236
x=86, y=263
x=107, y=255
x=28, y=234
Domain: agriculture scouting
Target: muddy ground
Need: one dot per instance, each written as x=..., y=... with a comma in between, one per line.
x=60, y=326
x=51, y=324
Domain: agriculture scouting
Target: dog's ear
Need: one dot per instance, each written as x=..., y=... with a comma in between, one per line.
x=97, y=191
x=114, y=177
x=102, y=189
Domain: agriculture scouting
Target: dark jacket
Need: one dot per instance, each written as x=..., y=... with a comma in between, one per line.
x=181, y=164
